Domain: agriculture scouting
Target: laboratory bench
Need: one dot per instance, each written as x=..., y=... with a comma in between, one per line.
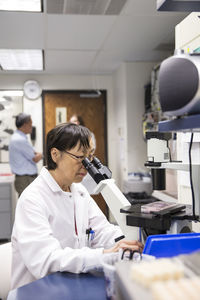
x=60, y=286
x=89, y=286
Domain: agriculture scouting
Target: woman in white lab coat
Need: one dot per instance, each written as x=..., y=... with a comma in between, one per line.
x=55, y=213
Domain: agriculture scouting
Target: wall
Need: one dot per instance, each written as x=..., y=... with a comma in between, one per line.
x=129, y=81
x=138, y=75
x=35, y=109
x=120, y=120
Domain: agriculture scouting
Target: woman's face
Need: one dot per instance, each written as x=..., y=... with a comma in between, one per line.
x=69, y=168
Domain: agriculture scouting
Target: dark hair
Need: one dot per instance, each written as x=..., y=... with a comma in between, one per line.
x=21, y=119
x=66, y=136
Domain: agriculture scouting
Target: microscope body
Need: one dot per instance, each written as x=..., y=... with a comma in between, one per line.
x=112, y=195
x=117, y=201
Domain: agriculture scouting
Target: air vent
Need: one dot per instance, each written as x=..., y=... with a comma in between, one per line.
x=90, y=94
x=85, y=7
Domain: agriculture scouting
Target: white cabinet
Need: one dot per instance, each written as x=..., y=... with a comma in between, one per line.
x=5, y=210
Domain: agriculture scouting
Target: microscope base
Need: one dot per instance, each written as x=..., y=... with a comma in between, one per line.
x=180, y=226
x=179, y=222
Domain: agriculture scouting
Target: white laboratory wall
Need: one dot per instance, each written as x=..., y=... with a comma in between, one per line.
x=120, y=120
x=35, y=109
x=138, y=74
x=128, y=90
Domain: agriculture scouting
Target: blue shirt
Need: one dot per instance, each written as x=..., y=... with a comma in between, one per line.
x=21, y=155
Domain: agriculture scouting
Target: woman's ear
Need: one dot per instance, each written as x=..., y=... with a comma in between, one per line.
x=55, y=154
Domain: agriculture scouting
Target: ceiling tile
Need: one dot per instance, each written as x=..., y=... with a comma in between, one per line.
x=153, y=31
x=78, y=32
x=109, y=61
x=68, y=61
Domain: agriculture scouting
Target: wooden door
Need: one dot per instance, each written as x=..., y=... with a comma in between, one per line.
x=93, y=113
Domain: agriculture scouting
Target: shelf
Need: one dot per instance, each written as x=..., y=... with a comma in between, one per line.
x=178, y=5
x=186, y=123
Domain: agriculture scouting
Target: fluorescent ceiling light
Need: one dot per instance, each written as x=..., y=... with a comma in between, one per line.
x=21, y=5
x=19, y=60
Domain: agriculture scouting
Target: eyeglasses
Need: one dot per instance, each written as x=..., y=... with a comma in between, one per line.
x=80, y=158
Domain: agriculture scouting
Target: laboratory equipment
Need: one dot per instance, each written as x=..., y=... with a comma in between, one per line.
x=179, y=95
x=111, y=194
x=169, y=245
x=129, y=217
x=179, y=84
x=176, y=165
x=157, y=152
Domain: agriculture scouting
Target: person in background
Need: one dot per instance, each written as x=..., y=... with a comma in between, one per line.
x=22, y=156
x=58, y=226
x=87, y=181
x=76, y=119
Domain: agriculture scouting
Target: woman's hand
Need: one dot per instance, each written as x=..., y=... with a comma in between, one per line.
x=124, y=244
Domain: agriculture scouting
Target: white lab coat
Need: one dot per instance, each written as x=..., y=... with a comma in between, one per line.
x=44, y=239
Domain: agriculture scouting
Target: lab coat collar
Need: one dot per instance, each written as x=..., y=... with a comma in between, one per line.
x=54, y=186
x=50, y=180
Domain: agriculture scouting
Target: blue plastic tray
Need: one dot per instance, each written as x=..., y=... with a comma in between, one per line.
x=168, y=245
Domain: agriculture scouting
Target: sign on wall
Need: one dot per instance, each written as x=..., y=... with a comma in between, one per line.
x=61, y=115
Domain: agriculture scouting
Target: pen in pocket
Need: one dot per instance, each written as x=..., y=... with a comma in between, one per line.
x=90, y=234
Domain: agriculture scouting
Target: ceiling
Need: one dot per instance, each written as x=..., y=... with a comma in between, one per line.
x=79, y=41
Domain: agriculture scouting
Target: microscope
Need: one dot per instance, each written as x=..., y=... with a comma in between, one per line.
x=132, y=217
x=111, y=193
x=179, y=94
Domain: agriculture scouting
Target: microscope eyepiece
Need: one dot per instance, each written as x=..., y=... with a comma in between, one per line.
x=92, y=170
x=104, y=170
x=86, y=162
x=97, y=163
